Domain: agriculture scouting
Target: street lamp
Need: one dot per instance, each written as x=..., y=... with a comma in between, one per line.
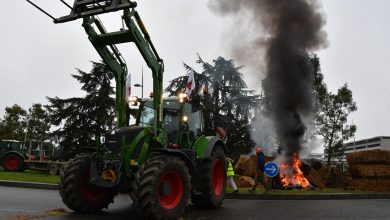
x=138, y=85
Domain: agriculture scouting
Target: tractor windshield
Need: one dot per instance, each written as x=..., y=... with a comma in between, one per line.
x=171, y=107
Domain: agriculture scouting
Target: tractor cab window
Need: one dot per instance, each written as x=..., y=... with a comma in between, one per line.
x=171, y=125
x=3, y=147
x=195, y=122
x=147, y=115
x=15, y=146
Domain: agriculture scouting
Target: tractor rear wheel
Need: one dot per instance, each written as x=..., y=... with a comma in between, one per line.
x=13, y=163
x=77, y=193
x=53, y=169
x=210, y=181
x=161, y=188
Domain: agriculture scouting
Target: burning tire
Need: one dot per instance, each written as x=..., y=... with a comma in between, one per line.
x=13, y=163
x=161, y=188
x=77, y=193
x=210, y=185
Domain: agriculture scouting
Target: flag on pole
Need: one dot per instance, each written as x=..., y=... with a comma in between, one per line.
x=190, y=85
x=128, y=86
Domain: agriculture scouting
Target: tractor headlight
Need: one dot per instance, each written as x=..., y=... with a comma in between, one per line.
x=132, y=100
x=182, y=97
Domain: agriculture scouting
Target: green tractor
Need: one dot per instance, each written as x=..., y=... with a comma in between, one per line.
x=11, y=156
x=162, y=160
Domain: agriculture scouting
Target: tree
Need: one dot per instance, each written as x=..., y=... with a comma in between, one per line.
x=13, y=124
x=81, y=121
x=332, y=112
x=37, y=122
x=227, y=103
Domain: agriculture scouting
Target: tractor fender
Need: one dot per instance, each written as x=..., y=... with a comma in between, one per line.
x=180, y=154
x=205, y=145
x=11, y=152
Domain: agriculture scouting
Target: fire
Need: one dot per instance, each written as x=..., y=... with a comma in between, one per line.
x=291, y=175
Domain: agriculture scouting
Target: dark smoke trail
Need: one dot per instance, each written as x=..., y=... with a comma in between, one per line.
x=286, y=30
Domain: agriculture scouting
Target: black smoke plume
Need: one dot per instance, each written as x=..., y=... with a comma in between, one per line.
x=286, y=30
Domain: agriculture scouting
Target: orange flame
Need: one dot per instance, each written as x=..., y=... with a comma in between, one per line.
x=291, y=174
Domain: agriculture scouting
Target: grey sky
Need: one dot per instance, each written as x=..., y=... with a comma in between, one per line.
x=37, y=56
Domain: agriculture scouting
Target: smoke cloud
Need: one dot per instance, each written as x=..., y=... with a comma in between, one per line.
x=274, y=37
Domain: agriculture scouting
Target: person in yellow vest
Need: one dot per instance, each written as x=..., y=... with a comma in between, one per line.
x=230, y=174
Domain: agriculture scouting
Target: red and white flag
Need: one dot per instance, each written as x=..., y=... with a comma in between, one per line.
x=190, y=85
x=128, y=86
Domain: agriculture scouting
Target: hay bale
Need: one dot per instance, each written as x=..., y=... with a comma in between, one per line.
x=243, y=181
x=246, y=165
x=369, y=157
x=369, y=170
x=371, y=185
x=315, y=178
x=324, y=173
x=335, y=179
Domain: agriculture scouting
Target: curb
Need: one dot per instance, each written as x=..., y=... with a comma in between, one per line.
x=327, y=196
x=30, y=185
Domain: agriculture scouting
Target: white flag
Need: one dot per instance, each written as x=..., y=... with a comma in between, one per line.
x=128, y=86
x=190, y=85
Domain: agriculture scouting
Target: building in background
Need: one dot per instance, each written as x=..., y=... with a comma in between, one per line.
x=375, y=143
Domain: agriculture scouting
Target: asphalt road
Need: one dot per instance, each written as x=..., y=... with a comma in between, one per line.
x=26, y=204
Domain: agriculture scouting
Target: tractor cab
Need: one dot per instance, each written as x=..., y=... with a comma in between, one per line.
x=9, y=145
x=180, y=122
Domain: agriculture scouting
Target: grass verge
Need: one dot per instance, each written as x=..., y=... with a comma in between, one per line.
x=295, y=191
x=29, y=176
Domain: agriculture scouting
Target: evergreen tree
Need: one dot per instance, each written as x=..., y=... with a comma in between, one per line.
x=227, y=103
x=81, y=121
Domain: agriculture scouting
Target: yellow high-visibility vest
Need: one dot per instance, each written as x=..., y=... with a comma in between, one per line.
x=230, y=171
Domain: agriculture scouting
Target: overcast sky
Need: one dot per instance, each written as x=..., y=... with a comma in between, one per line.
x=38, y=56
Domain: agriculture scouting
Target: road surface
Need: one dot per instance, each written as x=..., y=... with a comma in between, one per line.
x=26, y=204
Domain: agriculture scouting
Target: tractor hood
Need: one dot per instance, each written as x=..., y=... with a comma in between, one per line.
x=113, y=140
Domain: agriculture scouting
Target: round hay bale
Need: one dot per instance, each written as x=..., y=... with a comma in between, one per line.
x=243, y=181
x=315, y=178
x=246, y=165
x=369, y=157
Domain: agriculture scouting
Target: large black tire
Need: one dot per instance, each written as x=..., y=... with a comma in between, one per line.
x=13, y=163
x=62, y=171
x=210, y=181
x=77, y=193
x=160, y=189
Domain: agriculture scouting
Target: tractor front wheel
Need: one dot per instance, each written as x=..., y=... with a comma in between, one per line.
x=210, y=181
x=13, y=163
x=161, y=188
x=76, y=191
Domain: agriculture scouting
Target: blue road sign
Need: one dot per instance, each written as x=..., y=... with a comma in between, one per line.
x=271, y=169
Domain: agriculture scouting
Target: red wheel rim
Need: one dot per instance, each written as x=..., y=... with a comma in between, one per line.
x=12, y=163
x=91, y=193
x=218, y=177
x=173, y=181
